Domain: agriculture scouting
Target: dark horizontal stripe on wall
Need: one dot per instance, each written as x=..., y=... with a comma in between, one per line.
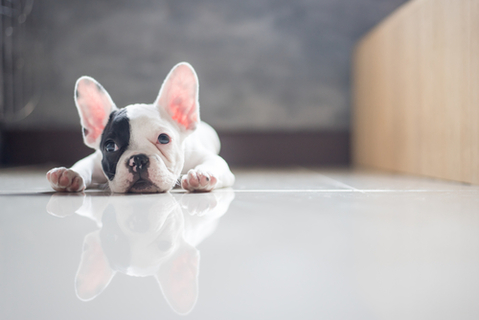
x=30, y=147
x=64, y=147
x=285, y=148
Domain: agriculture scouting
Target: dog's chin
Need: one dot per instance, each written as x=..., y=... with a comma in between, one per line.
x=144, y=186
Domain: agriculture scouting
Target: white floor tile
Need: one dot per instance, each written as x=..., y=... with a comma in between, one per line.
x=282, y=244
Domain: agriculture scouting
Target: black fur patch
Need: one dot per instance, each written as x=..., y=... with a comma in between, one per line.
x=117, y=130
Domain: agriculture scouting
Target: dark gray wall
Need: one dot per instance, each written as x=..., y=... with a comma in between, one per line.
x=262, y=64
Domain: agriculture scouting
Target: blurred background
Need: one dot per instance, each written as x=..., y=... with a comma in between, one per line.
x=274, y=74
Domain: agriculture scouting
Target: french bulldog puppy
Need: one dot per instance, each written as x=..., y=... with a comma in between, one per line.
x=146, y=148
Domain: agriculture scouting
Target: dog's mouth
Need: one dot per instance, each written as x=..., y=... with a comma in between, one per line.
x=143, y=185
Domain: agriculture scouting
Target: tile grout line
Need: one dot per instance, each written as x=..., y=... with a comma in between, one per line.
x=339, y=183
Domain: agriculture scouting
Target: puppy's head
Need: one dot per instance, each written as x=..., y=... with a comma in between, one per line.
x=142, y=145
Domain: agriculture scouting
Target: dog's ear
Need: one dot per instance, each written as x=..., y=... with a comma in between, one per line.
x=94, y=273
x=94, y=106
x=178, y=279
x=178, y=97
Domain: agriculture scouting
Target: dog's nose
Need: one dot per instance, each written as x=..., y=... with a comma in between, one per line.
x=139, y=161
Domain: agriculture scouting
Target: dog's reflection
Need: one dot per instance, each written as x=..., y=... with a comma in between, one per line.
x=147, y=235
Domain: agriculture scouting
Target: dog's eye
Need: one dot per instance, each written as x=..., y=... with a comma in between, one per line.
x=163, y=138
x=110, y=146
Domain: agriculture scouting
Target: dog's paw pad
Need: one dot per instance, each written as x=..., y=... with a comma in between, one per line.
x=63, y=179
x=196, y=180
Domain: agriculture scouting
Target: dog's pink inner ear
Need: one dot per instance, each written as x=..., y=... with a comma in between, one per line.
x=184, y=111
x=95, y=106
x=179, y=96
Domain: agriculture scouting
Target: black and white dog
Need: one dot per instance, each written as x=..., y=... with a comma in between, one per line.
x=146, y=147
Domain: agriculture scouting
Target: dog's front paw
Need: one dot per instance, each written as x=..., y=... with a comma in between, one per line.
x=197, y=180
x=63, y=179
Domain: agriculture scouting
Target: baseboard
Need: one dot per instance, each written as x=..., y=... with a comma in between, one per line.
x=33, y=147
x=285, y=148
x=64, y=147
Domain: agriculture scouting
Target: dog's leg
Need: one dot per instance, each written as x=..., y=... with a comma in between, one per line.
x=212, y=173
x=80, y=176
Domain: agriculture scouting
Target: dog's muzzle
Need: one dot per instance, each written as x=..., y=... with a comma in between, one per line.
x=138, y=166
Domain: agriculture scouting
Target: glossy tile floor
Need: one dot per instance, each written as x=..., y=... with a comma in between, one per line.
x=297, y=244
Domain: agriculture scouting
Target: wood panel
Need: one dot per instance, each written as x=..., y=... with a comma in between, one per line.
x=416, y=91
